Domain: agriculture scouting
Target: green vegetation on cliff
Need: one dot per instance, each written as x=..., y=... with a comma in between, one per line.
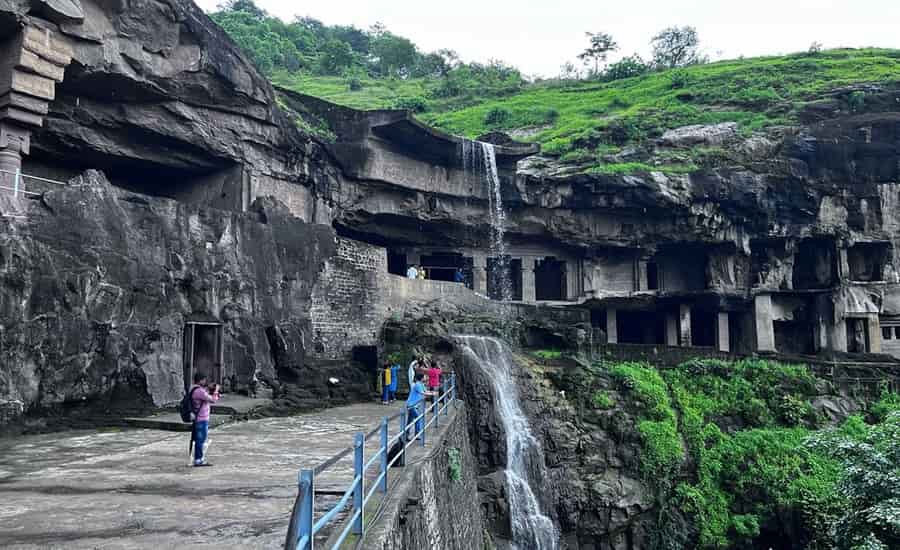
x=739, y=449
x=581, y=122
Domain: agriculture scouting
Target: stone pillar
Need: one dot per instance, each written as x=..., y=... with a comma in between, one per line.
x=874, y=328
x=723, y=336
x=684, y=329
x=765, y=330
x=843, y=263
x=528, y=290
x=479, y=273
x=640, y=282
x=671, y=329
x=612, y=329
x=34, y=62
x=573, y=277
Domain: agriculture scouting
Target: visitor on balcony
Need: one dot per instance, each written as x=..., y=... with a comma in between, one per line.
x=412, y=272
x=459, y=276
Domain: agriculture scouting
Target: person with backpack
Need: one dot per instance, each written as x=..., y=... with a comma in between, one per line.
x=197, y=402
x=395, y=376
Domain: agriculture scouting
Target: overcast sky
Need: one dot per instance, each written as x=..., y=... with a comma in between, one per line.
x=538, y=37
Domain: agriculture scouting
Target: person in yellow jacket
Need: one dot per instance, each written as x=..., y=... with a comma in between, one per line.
x=386, y=375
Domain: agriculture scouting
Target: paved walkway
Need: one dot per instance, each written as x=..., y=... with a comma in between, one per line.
x=115, y=489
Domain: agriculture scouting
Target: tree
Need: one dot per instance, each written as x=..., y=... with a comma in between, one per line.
x=601, y=44
x=676, y=47
x=393, y=55
x=247, y=6
x=335, y=56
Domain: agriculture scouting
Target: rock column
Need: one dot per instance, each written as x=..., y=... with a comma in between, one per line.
x=684, y=329
x=765, y=330
x=479, y=273
x=723, y=335
x=529, y=294
x=34, y=61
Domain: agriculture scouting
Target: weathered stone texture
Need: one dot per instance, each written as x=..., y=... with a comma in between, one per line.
x=98, y=283
x=431, y=509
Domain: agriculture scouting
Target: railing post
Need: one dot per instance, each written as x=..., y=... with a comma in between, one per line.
x=445, y=389
x=424, y=418
x=302, y=524
x=436, y=409
x=384, y=454
x=453, y=386
x=16, y=178
x=359, y=444
x=402, y=460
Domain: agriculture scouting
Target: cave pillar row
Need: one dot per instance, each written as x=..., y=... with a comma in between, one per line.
x=34, y=62
x=479, y=273
x=723, y=336
x=684, y=329
x=765, y=329
x=529, y=293
x=874, y=329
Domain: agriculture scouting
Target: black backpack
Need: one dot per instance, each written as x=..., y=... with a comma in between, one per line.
x=186, y=409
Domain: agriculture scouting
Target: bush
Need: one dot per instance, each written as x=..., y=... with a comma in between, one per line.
x=680, y=79
x=627, y=67
x=497, y=117
x=416, y=104
x=354, y=83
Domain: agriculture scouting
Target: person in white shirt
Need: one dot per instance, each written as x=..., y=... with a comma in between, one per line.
x=412, y=272
x=411, y=374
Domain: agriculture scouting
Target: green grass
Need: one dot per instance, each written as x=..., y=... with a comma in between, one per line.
x=578, y=120
x=755, y=93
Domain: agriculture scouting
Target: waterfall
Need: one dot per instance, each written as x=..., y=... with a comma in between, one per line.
x=479, y=161
x=531, y=529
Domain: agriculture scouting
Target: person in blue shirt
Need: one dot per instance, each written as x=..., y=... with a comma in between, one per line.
x=415, y=404
x=395, y=375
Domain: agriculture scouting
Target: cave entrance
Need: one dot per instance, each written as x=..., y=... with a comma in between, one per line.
x=652, y=276
x=794, y=337
x=703, y=328
x=867, y=261
x=442, y=267
x=858, y=339
x=815, y=264
x=397, y=263
x=203, y=352
x=550, y=280
x=367, y=356
x=640, y=327
x=503, y=272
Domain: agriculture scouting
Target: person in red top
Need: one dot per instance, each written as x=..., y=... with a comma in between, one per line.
x=200, y=401
x=434, y=377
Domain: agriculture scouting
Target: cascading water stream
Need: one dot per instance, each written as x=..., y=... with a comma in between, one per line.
x=479, y=162
x=531, y=529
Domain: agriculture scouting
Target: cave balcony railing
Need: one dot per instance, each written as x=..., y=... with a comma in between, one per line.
x=304, y=527
x=15, y=180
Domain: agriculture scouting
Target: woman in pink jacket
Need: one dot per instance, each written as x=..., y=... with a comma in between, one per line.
x=200, y=401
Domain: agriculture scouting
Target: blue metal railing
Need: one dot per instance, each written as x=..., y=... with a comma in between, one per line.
x=303, y=526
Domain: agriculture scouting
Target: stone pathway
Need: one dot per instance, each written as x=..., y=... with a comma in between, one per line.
x=113, y=489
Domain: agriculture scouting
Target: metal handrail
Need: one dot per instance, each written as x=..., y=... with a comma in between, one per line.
x=303, y=526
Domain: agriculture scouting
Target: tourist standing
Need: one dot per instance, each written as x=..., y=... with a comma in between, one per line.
x=200, y=401
x=415, y=405
x=412, y=272
x=386, y=383
x=422, y=274
x=434, y=377
x=395, y=376
x=459, y=276
x=411, y=372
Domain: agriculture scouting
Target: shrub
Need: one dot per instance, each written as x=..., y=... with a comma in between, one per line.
x=454, y=464
x=497, y=117
x=601, y=400
x=354, y=83
x=416, y=104
x=626, y=67
x=680, y=79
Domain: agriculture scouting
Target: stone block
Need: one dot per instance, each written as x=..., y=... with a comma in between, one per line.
x=33, y=85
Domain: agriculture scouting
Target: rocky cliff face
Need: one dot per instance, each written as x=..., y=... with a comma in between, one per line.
x=99, y=282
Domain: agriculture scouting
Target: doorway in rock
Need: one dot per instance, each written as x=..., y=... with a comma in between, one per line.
x=815, y=264
x=550, y=280
x=858, y=340
x=640, y=327
x=794, y=337
x=202, y=351
x=497, y=279
x=652, y=276
x=367, y=356
x=867, y=261
x=397, y=263
x=703, y=328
